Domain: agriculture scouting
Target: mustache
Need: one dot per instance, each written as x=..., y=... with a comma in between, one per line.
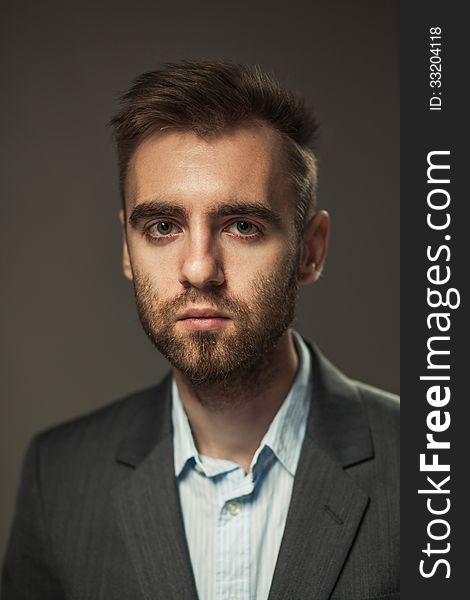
x=216, y=299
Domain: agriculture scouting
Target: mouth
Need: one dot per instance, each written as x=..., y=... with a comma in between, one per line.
x=203, y=319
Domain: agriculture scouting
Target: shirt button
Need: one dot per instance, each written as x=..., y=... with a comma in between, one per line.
x=199, y=468
x=234, y=508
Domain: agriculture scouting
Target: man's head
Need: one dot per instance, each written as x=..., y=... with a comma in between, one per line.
x=218, y=188
x=210, y=97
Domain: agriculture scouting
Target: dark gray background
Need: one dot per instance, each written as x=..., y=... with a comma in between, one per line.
x=71, y=340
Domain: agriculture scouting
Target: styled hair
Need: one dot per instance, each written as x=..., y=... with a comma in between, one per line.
x=207, y=97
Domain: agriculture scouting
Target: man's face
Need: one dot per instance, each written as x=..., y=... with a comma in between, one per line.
x=211, y=248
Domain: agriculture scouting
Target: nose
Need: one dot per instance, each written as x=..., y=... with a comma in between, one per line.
x=202, y=265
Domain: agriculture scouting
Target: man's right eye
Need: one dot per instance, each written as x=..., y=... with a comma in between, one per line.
x=160, y=229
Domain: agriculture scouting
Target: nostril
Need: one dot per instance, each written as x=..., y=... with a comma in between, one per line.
x=202, y=271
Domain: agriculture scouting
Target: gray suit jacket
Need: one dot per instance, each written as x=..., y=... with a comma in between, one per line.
x=98, y=513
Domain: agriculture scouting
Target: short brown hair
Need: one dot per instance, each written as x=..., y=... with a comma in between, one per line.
x=207, y=97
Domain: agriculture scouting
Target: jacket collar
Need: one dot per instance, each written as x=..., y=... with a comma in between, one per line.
x=337, y=421
x=150, y=423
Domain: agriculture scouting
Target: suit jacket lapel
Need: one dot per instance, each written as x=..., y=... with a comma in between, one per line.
x=327, y=505
x=325, y=511
x=148, y=508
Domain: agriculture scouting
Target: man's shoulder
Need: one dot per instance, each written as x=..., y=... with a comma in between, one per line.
x=380, y=406
x=379, y=401
x=107, y=425
x=383, y=411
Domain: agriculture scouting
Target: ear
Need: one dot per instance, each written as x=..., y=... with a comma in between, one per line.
x=126, y=261
x=314, y=248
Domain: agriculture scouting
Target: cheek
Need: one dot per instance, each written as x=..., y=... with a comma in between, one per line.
x=160, y=283
x=260, y=259
x=242, y=266
x=156, y=265
x=253, y=256
x=244, y=274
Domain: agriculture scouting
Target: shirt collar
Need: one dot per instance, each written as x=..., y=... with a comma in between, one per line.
x=287, y=430
x=184, y=447
x=284, y=436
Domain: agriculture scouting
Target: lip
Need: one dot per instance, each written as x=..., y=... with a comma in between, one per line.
x=203, y=318
x=202, y=312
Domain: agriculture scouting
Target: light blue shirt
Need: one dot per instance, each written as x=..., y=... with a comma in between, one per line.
x=234, y=521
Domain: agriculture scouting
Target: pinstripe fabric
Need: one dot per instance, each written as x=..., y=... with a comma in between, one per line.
x=234, y=522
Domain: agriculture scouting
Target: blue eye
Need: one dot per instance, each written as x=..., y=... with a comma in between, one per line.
x=244, y=229
x=161, y=228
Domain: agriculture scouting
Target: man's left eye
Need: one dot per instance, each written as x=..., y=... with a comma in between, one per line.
x=243, y=228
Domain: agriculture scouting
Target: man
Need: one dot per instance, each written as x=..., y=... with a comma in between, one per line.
x=256, y=469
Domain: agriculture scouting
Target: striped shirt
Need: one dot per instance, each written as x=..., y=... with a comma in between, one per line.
x=234, y=521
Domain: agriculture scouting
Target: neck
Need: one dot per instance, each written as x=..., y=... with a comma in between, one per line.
x=228, y=420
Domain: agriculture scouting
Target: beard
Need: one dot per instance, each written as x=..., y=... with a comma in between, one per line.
x=239, y=351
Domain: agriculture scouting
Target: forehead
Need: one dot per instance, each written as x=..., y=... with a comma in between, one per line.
x=247, y=162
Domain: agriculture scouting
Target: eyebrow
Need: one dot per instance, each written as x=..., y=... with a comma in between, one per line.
x=249, y=209
x=162, y=208
x=156, y=208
